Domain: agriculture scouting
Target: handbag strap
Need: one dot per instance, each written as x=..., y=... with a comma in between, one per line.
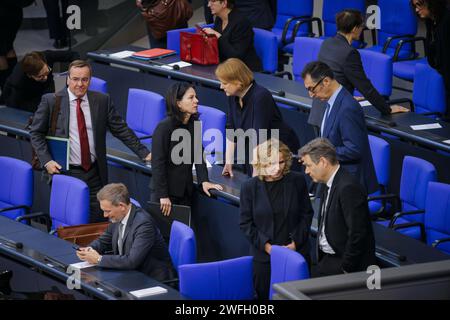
x=54, y=117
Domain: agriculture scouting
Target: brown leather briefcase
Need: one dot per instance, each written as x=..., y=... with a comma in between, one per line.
x=82, y=234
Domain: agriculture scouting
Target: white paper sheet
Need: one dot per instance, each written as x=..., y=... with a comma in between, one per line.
x=426, y=126
x=181, y=64
x=82, y=265
x=122, y=54
x=148, y=292
x=446, y=141
x=365, y=103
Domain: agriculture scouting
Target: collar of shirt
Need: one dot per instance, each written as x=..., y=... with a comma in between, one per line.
x=247, y=96
x=333, y=98
x=73, y=97
x=330, y=181
x=124, y=221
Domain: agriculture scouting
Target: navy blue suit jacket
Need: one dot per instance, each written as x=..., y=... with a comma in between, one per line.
x=346, y=129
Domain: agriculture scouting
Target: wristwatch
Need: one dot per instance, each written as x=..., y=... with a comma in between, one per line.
x=99, y=259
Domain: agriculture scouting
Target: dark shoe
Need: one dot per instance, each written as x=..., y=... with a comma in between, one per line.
x=5, y=278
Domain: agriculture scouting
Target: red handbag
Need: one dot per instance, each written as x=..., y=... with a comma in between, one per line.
x=199, y=48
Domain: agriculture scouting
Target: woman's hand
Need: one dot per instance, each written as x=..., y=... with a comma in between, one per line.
x=212, y=31
x=268, y=248
x=166, y=205
x=291, y=246
x=227, y=170
x=208, y=185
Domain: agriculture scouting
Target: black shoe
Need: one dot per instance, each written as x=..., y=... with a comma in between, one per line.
x=5, y=278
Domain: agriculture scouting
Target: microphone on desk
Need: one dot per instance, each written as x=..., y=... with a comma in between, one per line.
x=116, y=292
x=388, y=123
x=174, y=67
x=279, y=93
x=11, y=243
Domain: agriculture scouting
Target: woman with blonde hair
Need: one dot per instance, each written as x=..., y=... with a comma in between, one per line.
x=274, y=209
x=250, y=106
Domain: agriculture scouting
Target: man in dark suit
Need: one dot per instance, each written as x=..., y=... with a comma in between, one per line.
x=131, y=241
x=84, y=118
x=345, y=61
x=342, y=123
x=345, y=241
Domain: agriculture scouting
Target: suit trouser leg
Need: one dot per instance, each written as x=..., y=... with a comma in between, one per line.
x=329, y=265
x=261, y=279
x=92, y=179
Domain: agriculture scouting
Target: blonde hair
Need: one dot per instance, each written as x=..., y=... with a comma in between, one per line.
x=266, y=153
x=234, y=71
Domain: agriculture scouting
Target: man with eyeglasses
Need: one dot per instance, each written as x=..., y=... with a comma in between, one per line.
x=342, y=122
x=32, y=78
x=84, y=118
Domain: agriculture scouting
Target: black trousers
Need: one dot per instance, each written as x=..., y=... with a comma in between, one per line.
x=92, y=179
x=261, y=279
x=56, y=23
x=327, y=265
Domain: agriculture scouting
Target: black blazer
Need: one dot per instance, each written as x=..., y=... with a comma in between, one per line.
x=259, y=12
x=237, y=40
x=348, y=228
x=104, y=117
x=256, y=216
x=170, y=179
x=345, y=61
x=143, y=249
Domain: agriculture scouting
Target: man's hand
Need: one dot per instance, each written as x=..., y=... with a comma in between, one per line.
x=148, y=157
x=166, y=205
x=208, y=185
x=268, y=248
x=53, y=167
x=395, y=108
x=88, y=254
x=227, y=170
x=358, y=98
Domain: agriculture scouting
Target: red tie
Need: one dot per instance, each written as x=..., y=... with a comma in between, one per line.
x=84, y=141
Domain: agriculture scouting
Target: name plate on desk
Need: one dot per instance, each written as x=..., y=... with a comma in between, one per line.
x=426, y=126
x=148, y=292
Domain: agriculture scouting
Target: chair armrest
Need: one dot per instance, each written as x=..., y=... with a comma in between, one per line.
x=408, y=40
x=310, y=22
x=174, y=283
x=402, y=100
x=401, y=214
x=27, y=208
x=439, y=114
x=28, y=217
x=389, y=40
x=436, y=243
x=145, y=137
x=286, y=26
x=281, y=74
x=412, y=224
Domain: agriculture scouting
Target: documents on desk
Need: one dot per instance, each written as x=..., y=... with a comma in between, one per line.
x=122, y=54
x=426, y=126
x=446, y=141
x=364, y=103
x=181, y=64
x=148, y=292
x=82, y=265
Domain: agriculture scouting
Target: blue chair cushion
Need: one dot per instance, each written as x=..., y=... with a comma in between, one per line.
x=405, y=69
x=413, y=232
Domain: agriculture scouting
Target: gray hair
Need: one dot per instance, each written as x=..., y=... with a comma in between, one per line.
x=115, y=193
x=318, y=148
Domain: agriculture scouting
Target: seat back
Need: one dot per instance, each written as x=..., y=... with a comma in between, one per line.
x=182, y=245
x=391, y=25
x=266, y=47
x=212, y=118
x=286, y=265
x=332, y=7
x=437, y=217
x=230, y=279
x=69, y=201
x=305, y=51
x=287, y=9
x=381, y=155
x=378, y=68
x=416, y=174
x=428, y=90
x=145, y=110
x=173, y=37
x=16, y=186
x=98, y=84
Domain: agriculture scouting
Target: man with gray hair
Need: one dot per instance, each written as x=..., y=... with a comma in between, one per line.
x=132, y=241
x=345, y=241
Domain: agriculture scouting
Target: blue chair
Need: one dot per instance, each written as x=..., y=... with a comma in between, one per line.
x=266, y=47
x=394, y=29
x=99, y=85
x=145, y=110
x=406, y=69
x=305, y=51
x=135, y=202
x=182, y=245
x=416, y=174
x=16, y=187
x=294, y=19
x=212, y=118
x=381, y=155
x=230, y=279
x=286, y=265
x=378, y=68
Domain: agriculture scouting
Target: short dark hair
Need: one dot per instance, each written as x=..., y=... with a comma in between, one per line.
x=230, y=4
x=437, y=7
x=317, y=70
x=114, y=193
x=318, y=148
x=175, y=93
x=348, y=19
x=80, y=64
x=33, y=62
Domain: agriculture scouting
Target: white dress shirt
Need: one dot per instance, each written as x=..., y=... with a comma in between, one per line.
x=75, y=151
x=323, y=243
x=123, y=222
x=327, y=114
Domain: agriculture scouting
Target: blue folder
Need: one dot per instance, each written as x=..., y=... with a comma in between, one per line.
x=59, y=149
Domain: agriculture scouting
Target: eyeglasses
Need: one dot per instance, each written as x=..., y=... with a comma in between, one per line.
x=45, y=74
x=83, y=80
x=312, y=89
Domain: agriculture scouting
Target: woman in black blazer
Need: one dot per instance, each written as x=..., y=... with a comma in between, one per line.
x=234, y=33
x=275, y=210
x=250, y=106
x=172, y=180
